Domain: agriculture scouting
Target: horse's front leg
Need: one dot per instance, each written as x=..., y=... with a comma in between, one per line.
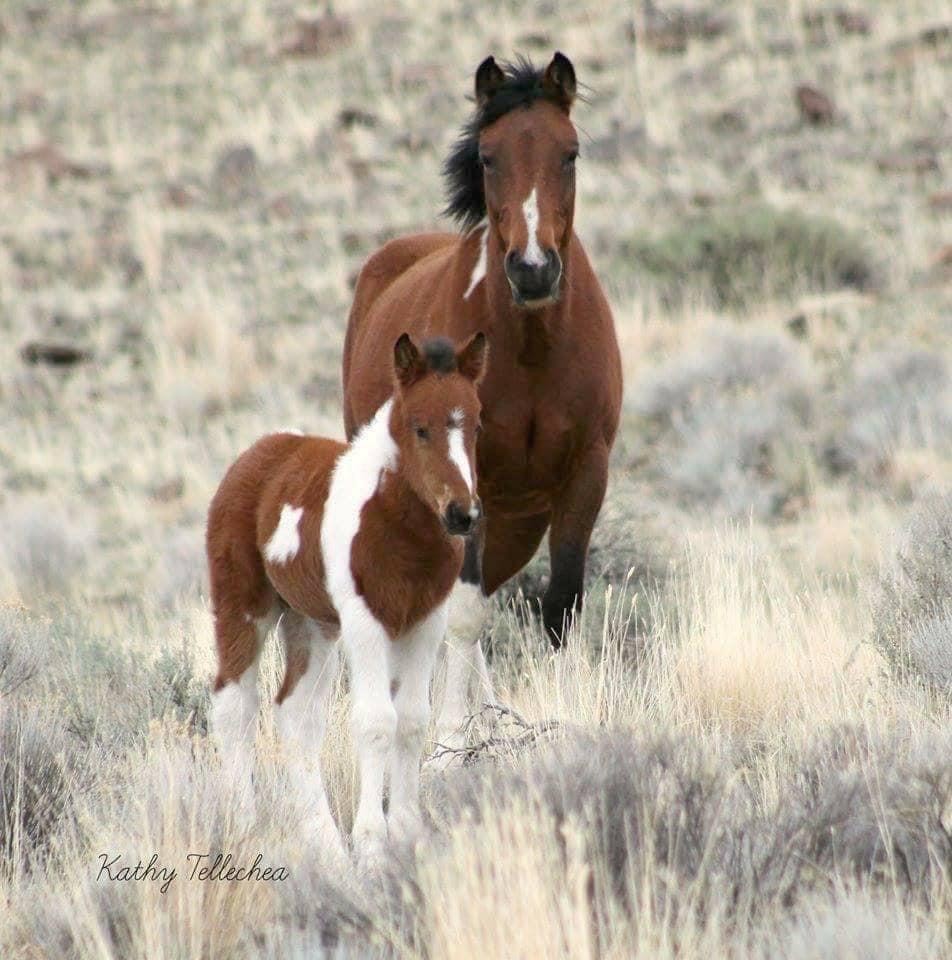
x=366, y=646
x=573, y=517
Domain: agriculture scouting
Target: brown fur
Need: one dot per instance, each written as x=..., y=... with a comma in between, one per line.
x=552, y=393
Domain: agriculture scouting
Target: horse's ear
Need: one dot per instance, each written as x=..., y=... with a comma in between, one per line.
x=489, y=78
x=408, y=365
x=559, y=81
x=471, y=359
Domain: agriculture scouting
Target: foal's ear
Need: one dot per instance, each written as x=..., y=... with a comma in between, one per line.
x=489, y=78
x=408, y=365
x=471, y=358
x=559, y=81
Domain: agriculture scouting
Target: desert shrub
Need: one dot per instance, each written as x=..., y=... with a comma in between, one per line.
x=729, y=423
x=45, y=545
x=37, y=784
x=688, y=830
x=897, y=397
x=737, y=256
x=178, y=576
x=912, y=619
x=855, y=924
x=176, y=692
x=19, y=650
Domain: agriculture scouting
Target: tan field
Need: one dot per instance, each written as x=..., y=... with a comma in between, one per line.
x=745, y=749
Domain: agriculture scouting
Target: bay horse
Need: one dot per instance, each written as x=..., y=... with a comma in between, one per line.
x=552, y=392
x=361, y=542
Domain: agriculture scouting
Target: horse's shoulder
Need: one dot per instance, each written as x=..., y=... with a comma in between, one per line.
x=398, y=255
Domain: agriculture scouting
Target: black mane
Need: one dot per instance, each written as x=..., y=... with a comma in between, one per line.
x=462, y=173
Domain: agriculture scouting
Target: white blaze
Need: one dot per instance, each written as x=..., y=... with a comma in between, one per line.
x=530, y=210
x=458, y=456
x=285, y=541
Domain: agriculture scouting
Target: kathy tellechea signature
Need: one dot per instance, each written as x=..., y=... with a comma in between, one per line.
x=201, y=866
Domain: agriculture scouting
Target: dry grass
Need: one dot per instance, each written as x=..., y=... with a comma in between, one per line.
x=736, y=771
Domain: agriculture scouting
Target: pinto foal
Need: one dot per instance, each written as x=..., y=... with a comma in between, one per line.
x=361, y=542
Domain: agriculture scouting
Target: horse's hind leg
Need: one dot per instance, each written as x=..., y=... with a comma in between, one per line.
x=301, y=709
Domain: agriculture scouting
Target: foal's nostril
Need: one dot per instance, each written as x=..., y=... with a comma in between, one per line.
x=456, y=520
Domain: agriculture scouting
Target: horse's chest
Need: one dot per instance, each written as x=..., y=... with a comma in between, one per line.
x=524, y=449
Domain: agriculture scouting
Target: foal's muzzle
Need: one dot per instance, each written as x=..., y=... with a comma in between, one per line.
x=458, y=521
x=533, y=284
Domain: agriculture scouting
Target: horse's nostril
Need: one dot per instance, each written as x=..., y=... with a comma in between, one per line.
x=456, y=519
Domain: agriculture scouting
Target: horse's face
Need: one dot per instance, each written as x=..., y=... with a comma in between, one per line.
x=528, y=159
x=436, y=419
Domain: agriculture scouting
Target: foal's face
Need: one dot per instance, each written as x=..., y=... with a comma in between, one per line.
x=436, y=420
x=528, y=159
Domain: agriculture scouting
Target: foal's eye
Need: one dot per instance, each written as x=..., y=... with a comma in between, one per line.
x=422, y=433
x=568, y=161
x=487, y=163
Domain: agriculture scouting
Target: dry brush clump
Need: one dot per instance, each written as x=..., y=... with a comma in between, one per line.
x=729, y=422
x=896, y=398
x=912, y=619
x=739, y=255
x=667, y=833
x=47, y=544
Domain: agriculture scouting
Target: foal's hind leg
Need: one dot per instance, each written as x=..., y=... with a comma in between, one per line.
x=234, y=708
x=301, y=709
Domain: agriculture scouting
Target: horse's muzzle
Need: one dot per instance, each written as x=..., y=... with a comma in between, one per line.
x=458, y=521
x=534, y=284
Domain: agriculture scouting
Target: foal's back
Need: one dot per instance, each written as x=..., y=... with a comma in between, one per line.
x=269, y=503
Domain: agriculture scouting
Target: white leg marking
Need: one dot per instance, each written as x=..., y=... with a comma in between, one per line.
x=285, y=541
x=479, y=271
x=300, y=723
x=234, y=725
x=373, y=719
x=413, y=657
x=530, y=210
x=468, y=613
x=458, y=456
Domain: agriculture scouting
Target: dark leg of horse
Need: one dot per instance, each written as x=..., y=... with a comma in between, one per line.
x=572, y=521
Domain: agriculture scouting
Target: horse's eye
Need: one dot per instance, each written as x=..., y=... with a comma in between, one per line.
x=423, y=433
x=479, y=429
x=487, y=163
x=569, y=160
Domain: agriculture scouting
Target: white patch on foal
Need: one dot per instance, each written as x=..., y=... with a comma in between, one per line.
x=530, y=210
x=356, y=476
x=285, y=541
x=479, y=271
x=366, y=643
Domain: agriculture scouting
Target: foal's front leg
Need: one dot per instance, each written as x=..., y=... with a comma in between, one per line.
x=373, y=718
x=413, y=657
